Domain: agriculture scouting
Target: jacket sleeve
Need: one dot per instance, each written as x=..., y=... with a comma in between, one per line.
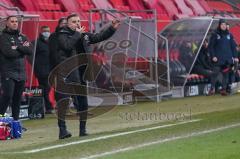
x=6, y=48
x=53, y=45
x=68, y=43
x=103, y=35
x=202, y=57
x=26, y=50
x=233, y=47
x=212, y=44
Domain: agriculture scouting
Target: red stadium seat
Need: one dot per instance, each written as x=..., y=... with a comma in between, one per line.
x=27, y=5
x=205, y=5
x=118, y=4
x=196, y=7
x=171, y=9
x=162, y=22
x=162, y=54
x=141, y=64
x=86, y=5
x=7, y=2
x=183, y=7
x=220, y=6
x=235, y=31
x=47, y=5
x=161, y=12
x=137, y=5
x=70, y=6
x=48, y=15
x=103, y=4
x=121, y=5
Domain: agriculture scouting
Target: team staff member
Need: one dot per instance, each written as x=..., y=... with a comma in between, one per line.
x=14, y=47
x=71, y=41
x=222, y=48
x=41, y=65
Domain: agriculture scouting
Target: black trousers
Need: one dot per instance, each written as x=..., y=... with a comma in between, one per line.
x=43, y=82
x=62, y=106
x=11, y=94
x=80, y=103
x=226, y=77
x=226, y=80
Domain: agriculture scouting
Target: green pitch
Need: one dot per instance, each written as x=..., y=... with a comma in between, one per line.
x=197, y=128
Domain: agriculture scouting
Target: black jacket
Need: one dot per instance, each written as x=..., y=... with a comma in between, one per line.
x=12, y=54
x=186, y=56
x=41, y=66
x=222, y=46
x=71, y=43
x=54, y=48
x=204, y=60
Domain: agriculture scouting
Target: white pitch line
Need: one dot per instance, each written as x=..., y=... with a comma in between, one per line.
x=161, y=141
x=105, y=137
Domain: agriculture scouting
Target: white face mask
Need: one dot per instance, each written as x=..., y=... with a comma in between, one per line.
x=46, y=35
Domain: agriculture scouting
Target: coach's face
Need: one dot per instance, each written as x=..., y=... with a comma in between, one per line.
x=12, y=23
x=223, y=26
x=74, y=23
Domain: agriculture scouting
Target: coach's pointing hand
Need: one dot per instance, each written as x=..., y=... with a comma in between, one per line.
x=116, y=23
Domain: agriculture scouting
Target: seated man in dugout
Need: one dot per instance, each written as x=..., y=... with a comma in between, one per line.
x=204, y=66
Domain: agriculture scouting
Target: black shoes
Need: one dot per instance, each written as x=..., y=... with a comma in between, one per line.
x=63, y=134
x=82, y=129
x=83, y=133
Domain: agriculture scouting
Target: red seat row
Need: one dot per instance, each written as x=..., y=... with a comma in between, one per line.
x=220, y=6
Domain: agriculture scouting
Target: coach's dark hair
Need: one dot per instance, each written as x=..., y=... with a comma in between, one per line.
x=61, y=20
x=72, y=15
x=10, y=16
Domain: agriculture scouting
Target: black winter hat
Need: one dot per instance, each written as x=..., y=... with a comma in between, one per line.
x=222, y=21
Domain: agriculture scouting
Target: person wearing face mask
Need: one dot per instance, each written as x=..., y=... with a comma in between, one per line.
x=222, y=49
x=14, y=47
x=41, y=65
x=72, y=40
